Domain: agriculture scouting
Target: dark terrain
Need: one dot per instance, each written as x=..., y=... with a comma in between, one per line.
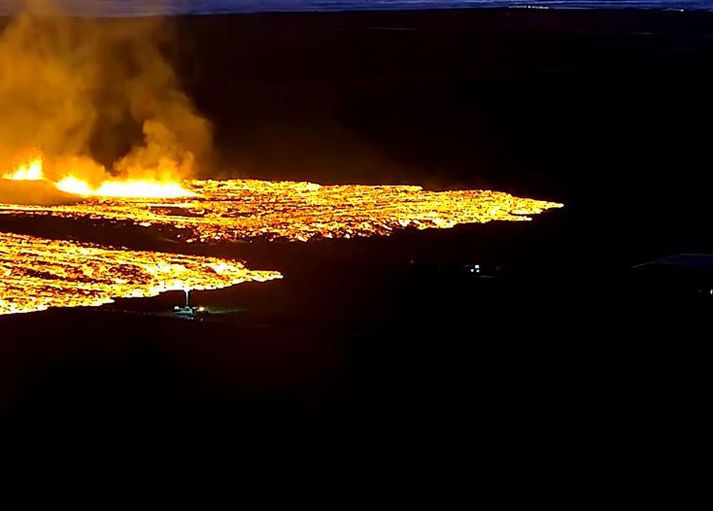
x=380, y=357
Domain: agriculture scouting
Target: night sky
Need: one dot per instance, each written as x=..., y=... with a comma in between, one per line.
x=135, y=7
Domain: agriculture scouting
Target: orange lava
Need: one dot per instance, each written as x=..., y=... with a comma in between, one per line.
x=38, y=273
x=249, y=209
x=126, y=188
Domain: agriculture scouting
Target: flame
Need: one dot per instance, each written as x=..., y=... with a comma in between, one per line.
x=31, y=171
x=71, y=184
x=139, y=189
x=129, y=188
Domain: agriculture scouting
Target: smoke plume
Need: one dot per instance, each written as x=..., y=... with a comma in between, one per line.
x=86, y=90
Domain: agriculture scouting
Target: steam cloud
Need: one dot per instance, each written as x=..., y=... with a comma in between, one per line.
x=81, y=90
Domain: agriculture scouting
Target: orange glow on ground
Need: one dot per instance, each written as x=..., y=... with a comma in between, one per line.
x=134, y=189
x=238, y=209
x=128, y=188
x=37, y=273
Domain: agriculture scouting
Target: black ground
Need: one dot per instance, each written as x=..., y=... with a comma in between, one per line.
x=380, y=357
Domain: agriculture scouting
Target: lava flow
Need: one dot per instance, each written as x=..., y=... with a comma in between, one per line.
x=295, y=211
x=130, y=188
x=37, y=273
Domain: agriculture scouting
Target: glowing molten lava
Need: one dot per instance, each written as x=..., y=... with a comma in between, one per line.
x=129, y=188
x=37, y=273
x=135, y=189
x=247, y=209
x=31, y=171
